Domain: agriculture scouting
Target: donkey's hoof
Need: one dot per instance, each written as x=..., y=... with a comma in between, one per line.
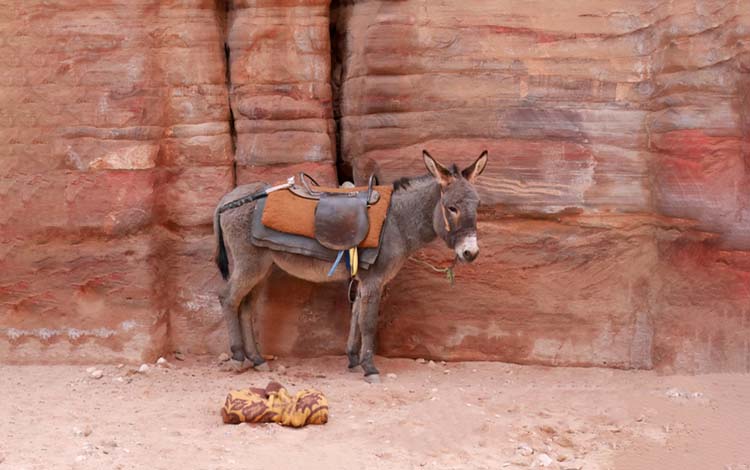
x=356, y=368
x=263, y=367
x=372, y=378
x=234, y=365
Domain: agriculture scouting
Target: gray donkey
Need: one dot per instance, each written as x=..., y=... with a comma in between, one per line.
x=442, y=204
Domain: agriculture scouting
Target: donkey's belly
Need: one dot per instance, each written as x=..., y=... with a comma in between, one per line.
x=310, y=269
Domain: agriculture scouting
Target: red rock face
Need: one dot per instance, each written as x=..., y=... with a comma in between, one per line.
x=615, y=226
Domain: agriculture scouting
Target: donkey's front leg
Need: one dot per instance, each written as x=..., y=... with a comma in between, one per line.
x=369, y=296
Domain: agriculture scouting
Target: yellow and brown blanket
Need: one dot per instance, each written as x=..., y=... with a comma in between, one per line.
x=275, y=405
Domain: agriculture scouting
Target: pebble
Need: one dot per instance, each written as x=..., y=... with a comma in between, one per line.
x=446, y=371
x=179, y=356
x=161, y=361
x=544, y=460
x=80, y=458
x=223, y=357
x=120, y=366
x=143, y=369
x=421, y=360
x=442, y=363
x=524, y=449
x=281, y=369
x=391, y=376
x=97, y=374
x=432, y=364
x=85, y=432
x=90, y=370
x=118, y=379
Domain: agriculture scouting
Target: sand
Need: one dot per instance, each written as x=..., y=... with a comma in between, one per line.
x=423, y=416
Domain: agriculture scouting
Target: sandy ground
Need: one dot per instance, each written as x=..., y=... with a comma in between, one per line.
x=426, y=416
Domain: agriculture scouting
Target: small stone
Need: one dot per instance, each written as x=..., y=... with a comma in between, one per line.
x=161, y=361
x=223, y=357
x=179, y=356
x=120, y=366
x=80, y=458
x=143, y=369
x=97, y=374
x=90, y=370
x=674, y=393
x=391, y=376
x=524, y=449
x=544, y=460
x=446, y=371
x=109, y=443
x=118, y=380
x=421, y=360
x=432, y=364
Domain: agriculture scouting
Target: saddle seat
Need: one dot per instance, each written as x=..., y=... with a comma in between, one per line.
x=337, y=218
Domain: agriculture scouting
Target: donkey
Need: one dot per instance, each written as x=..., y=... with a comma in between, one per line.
x=442, y=204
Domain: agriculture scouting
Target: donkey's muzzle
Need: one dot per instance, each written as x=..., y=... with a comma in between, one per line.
x=467, y=249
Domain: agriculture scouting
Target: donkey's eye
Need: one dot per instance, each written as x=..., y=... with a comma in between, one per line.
x=453, y=209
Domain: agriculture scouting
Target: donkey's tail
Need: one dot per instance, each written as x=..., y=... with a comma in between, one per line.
x=221, y=250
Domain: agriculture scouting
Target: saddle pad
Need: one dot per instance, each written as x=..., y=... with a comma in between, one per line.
x=279, y=241
x=286, y=212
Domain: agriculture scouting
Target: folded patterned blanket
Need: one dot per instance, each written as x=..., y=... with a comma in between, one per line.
x=275, y=405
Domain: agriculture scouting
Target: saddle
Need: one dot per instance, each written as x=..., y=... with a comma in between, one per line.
x=341, y=220
x=322, y=222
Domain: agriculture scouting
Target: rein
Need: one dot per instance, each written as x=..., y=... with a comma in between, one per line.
x=450, y=274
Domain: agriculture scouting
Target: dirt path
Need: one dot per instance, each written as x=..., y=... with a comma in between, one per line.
x=429, y=416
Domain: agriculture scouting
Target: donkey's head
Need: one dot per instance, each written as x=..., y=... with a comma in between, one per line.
x=455, y=217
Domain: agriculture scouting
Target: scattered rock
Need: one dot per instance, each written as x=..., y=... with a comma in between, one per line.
x=446, y=371
x=111, y=443
x=421, y=361
x=90, y=370
x=85, y=432
x=281, y=369
x=432, y=364
x=118, y=379
x=143, y=369
x=391, y=376
x=223, y=357
x=179, y=356
x=161, y=362
x=524, y=449
x=675, y=393
x=97, y=374
x=544, y=460
x=120, y=366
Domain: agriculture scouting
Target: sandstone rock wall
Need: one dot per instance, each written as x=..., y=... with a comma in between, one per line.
x=615, y=227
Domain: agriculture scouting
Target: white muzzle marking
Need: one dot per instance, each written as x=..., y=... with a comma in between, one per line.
x=468, y=249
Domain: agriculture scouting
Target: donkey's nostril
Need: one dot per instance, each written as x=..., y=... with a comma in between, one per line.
x=470, y=255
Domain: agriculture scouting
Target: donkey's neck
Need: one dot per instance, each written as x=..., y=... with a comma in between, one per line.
x=413, y=208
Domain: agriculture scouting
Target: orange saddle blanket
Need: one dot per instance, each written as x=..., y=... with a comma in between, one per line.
x=289, y=213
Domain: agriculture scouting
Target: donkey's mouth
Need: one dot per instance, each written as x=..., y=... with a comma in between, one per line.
x=467, y=249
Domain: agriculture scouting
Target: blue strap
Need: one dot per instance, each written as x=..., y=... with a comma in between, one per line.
x=336, y=263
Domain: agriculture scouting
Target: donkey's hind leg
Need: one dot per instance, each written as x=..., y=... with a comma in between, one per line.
x=241, y=282
x=354, y=343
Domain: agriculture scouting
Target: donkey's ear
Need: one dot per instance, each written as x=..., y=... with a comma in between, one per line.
x=475, y=169
x=441, y=173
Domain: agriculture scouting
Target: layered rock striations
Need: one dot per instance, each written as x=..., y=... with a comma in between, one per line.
x=615, y=226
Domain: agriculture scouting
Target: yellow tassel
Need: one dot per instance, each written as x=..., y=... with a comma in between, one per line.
x=353, y=260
